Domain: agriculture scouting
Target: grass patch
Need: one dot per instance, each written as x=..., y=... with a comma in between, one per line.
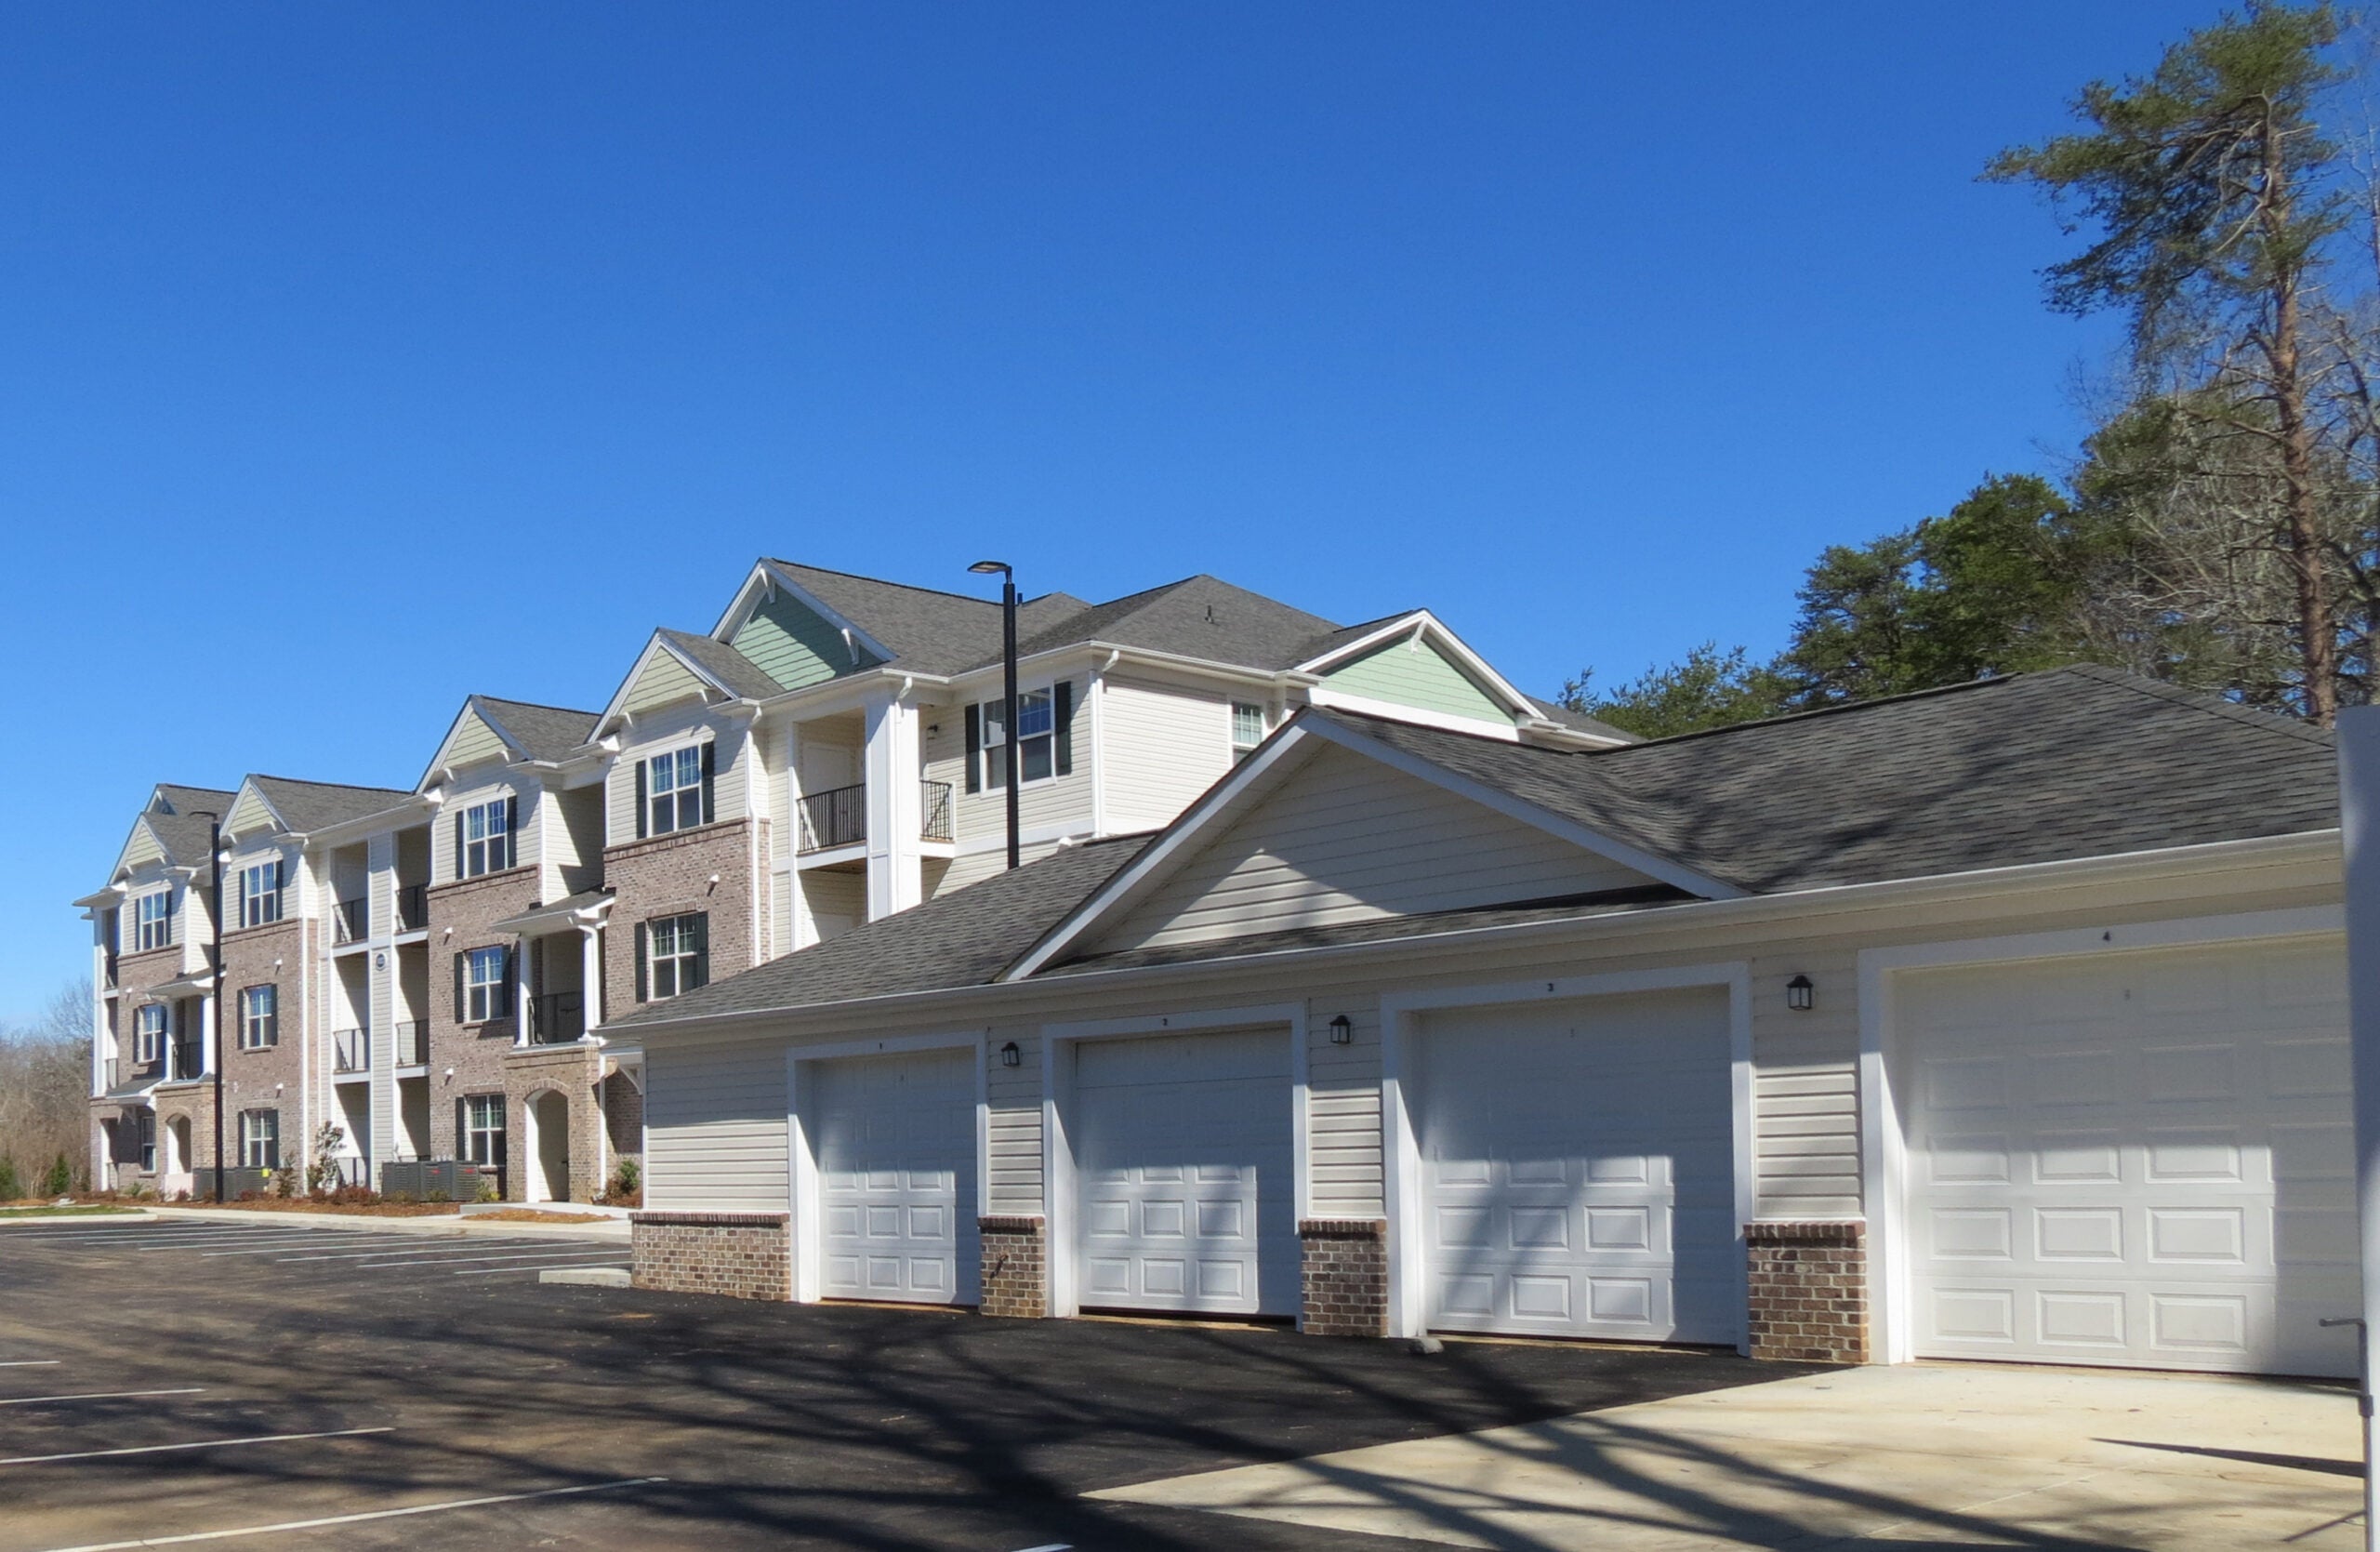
x=80, y=1212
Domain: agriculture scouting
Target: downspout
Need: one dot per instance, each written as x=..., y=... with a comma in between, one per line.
x=215, y=921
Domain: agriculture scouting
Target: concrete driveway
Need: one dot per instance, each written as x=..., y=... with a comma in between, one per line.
x=1969, y=1456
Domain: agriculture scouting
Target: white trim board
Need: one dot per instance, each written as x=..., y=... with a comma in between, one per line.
x=1883, y=1163
x=1401, y=1160
x=802, y=1200
x=1058, y=1182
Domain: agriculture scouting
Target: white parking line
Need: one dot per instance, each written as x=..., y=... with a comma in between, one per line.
x=329, y=1238
x=33, y=1364
x=97, y=1395
x=195, y=1444
x=443, y=1247
x=467, y=1260
x=581, y=1266
x=189, y=1536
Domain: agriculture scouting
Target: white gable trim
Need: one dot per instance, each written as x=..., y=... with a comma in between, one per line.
x=614, y=708
x=438, y=766
x=1421, y=625
x=771, y=581
x=1327, y=698
x=248, y=788
x=1246, y=786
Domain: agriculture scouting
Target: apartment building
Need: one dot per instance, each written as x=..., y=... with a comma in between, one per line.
x=437, y=971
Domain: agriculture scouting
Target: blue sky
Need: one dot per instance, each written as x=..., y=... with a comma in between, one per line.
x=353, y=359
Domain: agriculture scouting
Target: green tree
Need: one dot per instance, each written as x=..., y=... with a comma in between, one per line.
x=1711, y=688
x=59, y=1181
x=10, y=1187
x=2214, y=197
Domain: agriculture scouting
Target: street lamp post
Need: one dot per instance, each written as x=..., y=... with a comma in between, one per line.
x=1007, y=694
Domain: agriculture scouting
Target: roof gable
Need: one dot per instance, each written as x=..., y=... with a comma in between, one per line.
x=474, y=739
x=251, y=811
x=142, y=847
x=795, y=645
x=662, y=677
x=1415, y=672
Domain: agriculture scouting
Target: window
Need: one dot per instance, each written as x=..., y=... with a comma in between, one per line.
x=483, y=978
x=676, y=955
x=260, y=1139
x=154, y=920
x=483, y=839
x=1044, y=745
x=483, y=1138
x=260, y=1017
x=149, y=1035
x=1246, y=729
x=260, y=893
x=149, y=1141
x=674, y=789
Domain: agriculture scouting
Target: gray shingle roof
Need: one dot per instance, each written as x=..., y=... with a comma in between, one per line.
x=307, y=806
x=926, y=630
x=1580, y=721
x=740, y=674
x=2038, y=767
x=188, y=800
x=962, y=938
x=545, y=732
x=1199, y=617
x=184, y=836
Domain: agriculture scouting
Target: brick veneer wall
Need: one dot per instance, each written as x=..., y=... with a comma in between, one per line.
x=196, y=1103
x=273, y=1078
x=476, y=1052
x=573, y=1071
x=135, y=974
x=1810, y=1291
x=669, y=875
x=1345, y=1282
x=738, y=1256
x=1016, y=1266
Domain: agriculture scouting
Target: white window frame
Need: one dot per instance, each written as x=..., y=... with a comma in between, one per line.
x=154, y=929
x=1037, y=704
x=260, y=1017
x=483, y=997
x=260, y=1139
x=683, y=789
x=482, y=1143
x=1241, y=745
x=681, y=957
x=260, y=900
x=493, y=821
x=148, y=1045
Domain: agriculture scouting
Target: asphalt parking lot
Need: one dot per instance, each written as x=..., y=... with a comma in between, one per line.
x=321, y=1387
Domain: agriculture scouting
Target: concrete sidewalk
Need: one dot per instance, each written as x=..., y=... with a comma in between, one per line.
x=1968, y=1456
x=441, y=1223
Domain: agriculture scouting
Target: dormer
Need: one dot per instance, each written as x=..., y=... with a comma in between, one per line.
x=1412, y=667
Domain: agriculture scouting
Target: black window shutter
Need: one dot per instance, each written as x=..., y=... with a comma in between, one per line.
x=640, y=979
x=709, y=813
x=702, y=953
x=459, y=846
x=512, y=832
x=974, y=747
x=503, y=1142
x=462, y=1128
x=462, y=994
x=640, y=800
x=1062, y=694
x=511, y=973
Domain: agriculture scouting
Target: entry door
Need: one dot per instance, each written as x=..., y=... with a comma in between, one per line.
x=1577, y=1168
x=2143, y=1159
x=895, y=1144
x=1183, y=1158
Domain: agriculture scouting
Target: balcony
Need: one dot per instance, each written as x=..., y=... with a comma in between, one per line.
x=839, y=817
x=351, y=920
x=413, y=1043
x=557, y=1017
x=189, y=1061
x=351, y=1051
x=412, y=906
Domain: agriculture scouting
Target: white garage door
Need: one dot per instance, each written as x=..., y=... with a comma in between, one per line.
x=895, y=1143
x=1578, y=1166
x=1183, y=1154
x=2146, y=1160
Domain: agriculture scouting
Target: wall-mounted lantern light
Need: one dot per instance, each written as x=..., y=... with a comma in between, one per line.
x=1011, y=1055
x=1342, y=1031
x=1800, y=995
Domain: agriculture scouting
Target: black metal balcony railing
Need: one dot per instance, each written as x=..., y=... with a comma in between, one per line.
x=112, y=982
x=556, y=1017
x=836, y=817
x=933, y=822
x=351, y=920
x=188, y=1060
x=351, y=1050
x=412, y=906
x=413, y=1041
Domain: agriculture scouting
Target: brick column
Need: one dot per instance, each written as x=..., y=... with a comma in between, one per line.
x=740, y=1255
x=1345, y=1267
x=1016, y=1266
x=1810, y=1291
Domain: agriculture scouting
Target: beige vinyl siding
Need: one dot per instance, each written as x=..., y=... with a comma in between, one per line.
x=380, y=862
x=1342, y=1110
x=974, y=866
x=473, y=741
x=983, y=816
x=1160, y=746
x=731, y=769
x=1805, y=1087
x=250, y=813
x=835, y=893
x=662, y=681
x=1015, y=1120
x=791, y=644
x=525, y=841
x=715, y=1127
x=1347, y=839
x=141, y=849
x=780, y=912
x=559, y=853
x=1415, y=673
x=776, y=775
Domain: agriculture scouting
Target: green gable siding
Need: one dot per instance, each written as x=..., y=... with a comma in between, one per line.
x=793, y=645
x=474, y=741
x=249, y=814
x=1420, y=678
x=663, y=679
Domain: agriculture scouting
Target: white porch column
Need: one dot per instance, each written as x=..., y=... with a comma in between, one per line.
x=591, y=963
x=210, y=1046
x=894, y=809
x=521, y=991
x=2360, y=818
